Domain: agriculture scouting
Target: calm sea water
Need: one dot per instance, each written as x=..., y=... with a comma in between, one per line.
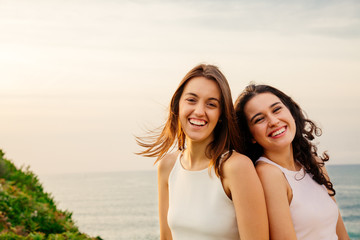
x=123, y=205
x=114, y=206
x=346, y=179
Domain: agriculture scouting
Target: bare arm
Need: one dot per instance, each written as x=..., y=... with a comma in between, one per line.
x=277, y=202
x=243, y=185
x=340, y=226
x=164, y=169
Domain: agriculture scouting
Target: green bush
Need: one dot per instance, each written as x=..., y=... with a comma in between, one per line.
x=29, y=213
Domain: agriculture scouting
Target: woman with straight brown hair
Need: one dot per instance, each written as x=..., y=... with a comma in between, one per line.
x=207, y=190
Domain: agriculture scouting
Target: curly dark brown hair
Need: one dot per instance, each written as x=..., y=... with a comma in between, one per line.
x=303, y=149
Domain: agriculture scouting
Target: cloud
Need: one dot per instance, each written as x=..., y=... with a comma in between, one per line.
x=331, y=18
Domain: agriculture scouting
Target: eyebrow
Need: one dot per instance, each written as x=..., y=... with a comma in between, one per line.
x=195, y=95
x=272, y=105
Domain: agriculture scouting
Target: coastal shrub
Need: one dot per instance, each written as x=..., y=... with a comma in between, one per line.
x=27, y=211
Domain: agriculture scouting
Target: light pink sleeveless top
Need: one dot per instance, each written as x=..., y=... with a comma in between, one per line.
x=313, y=211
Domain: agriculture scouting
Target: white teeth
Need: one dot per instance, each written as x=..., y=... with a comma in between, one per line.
x=197, y=122
x=278, y=132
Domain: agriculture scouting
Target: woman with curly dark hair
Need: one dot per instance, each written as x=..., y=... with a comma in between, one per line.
x=277, y=137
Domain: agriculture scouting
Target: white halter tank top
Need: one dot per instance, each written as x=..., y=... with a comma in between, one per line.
x=199, y=208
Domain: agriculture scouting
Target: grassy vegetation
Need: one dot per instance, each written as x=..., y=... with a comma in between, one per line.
x=27, y=212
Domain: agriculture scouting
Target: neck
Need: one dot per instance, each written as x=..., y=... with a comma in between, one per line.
x=284, y=158
x=194, y=156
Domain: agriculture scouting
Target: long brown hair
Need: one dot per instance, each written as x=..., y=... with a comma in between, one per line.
x=303, y=149
x=226, y=135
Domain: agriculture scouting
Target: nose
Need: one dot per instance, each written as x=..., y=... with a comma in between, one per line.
x=273, y=120
x=199, y=109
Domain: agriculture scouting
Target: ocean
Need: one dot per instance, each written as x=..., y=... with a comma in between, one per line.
x=123, y=205
x=346, y=179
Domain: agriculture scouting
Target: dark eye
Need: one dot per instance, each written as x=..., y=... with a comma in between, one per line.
x=257, y=120
x=191, y=100
x=277, y=109
x=213, y=105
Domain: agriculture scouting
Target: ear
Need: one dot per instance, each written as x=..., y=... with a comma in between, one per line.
x=253, y=140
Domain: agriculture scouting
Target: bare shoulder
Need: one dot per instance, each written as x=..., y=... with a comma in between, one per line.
x=239, y=175
x=266, y=169
x=270, y=176
x=238, y=164
x=269, y=172
x=166, y=164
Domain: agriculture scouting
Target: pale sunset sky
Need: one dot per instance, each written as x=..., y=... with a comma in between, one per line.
x=79, y=79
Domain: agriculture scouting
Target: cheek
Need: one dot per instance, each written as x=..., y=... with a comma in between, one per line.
x=218, y=115
x=214, y=115
x=294, y=126
x=182, y=110
x=292, y=120
x=254, y=131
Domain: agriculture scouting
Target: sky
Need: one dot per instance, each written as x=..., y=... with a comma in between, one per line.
x=80, y=79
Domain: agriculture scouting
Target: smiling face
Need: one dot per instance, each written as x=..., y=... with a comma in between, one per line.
x=270, y=122
x=200, y=109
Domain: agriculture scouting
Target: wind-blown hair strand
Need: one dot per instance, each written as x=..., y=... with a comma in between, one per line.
x=226, y=136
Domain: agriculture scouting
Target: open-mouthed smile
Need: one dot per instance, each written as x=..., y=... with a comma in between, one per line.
x=277, y=133
x=197, y=122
